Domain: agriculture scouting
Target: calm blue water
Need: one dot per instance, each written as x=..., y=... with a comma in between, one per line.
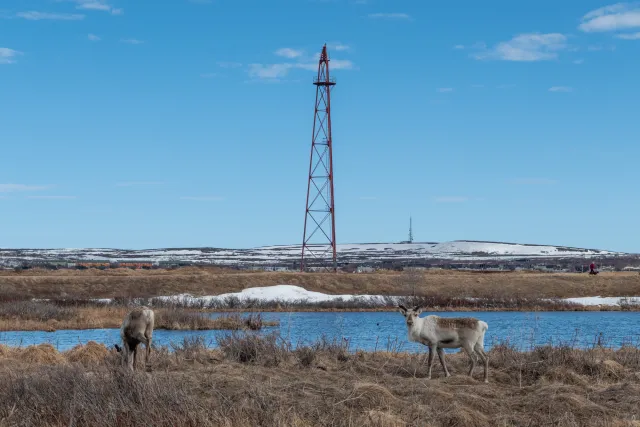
x=383, y=331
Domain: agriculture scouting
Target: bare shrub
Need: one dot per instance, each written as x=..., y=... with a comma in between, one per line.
x=305, y=355
x=34, y=310
x=254, y=322
x=178, y=319
x=251, y=348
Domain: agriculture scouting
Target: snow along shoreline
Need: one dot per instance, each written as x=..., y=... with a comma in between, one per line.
x=292, y=294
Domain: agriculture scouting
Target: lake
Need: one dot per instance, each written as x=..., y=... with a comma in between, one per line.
x=387, y=330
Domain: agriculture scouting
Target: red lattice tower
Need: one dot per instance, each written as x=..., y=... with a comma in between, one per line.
x=319, y=238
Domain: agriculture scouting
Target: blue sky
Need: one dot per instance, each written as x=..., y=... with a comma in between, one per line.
x=188, y=123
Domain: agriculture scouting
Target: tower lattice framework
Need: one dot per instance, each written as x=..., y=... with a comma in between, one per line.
x=319, y=237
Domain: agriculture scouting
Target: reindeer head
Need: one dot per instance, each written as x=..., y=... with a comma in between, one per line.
x=410, y=314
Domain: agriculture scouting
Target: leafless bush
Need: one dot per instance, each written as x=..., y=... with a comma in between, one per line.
x=269, y=350
x=305, y=355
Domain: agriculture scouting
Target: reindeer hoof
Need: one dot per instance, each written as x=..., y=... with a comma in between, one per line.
x=447, y=375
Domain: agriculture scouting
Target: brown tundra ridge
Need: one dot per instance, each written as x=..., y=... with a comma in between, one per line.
x=259, y=381
x=439, y=289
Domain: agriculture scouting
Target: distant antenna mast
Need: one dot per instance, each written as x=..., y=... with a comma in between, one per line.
x=410, y=231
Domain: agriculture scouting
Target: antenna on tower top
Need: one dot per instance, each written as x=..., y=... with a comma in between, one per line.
x=410, y=230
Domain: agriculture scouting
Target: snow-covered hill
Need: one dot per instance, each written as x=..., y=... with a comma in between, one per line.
x=361, y=252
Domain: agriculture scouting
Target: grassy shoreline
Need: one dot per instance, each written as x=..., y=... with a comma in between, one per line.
x=438, y=290
x=253, y=381
x=40, y=316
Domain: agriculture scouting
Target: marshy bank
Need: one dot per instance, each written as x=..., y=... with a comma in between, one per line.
x=74, y=314
x=262, y=381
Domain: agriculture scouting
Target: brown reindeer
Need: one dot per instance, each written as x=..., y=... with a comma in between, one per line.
x=137, y=327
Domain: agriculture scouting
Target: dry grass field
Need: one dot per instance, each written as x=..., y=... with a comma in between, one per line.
x=125, y=283
x=253, y=381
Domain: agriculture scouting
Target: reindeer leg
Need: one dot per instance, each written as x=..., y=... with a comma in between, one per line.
x=135, y=357
x=147, y=357
x=130, y=356
x=430, y=362
x=467, y=348
x=442, y=362
x=485, y=360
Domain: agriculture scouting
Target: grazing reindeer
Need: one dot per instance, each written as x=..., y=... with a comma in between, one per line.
x=438, y=333
x=137, y=327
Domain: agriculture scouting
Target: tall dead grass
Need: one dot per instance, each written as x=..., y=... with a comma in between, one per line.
x=261, y=381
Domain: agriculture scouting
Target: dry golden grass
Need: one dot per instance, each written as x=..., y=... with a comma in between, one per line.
x=41, y=316
x=212, y=281
x=196, y=386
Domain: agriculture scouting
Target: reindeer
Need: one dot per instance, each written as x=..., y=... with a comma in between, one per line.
x=137, y=327
x=438, y=333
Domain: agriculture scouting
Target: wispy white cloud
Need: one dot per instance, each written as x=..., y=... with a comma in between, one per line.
x=534, y=181
x=225, y=64
x=599, y=47
x=339, y=64
x=208, y=75
x=619, y=16
x=338, y=47
x=9, y=188
x=52, y=197
x=272, y=71
x=37, y=16
x=560, y=89
x=526, y=47
x=203, y=198
x=137, y=183
x=578, y=61
x=8, y=56
x=629, y=36
x=99, y=5
x=451, y=199
x=399, y=16
x=93, y=38
x=287, y=52
x=278, y=71
x=445, y=89
x=459, y=46
x=132, y=41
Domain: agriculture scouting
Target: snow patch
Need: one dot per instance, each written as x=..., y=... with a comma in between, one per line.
x=593, y=301
x=283, y=293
